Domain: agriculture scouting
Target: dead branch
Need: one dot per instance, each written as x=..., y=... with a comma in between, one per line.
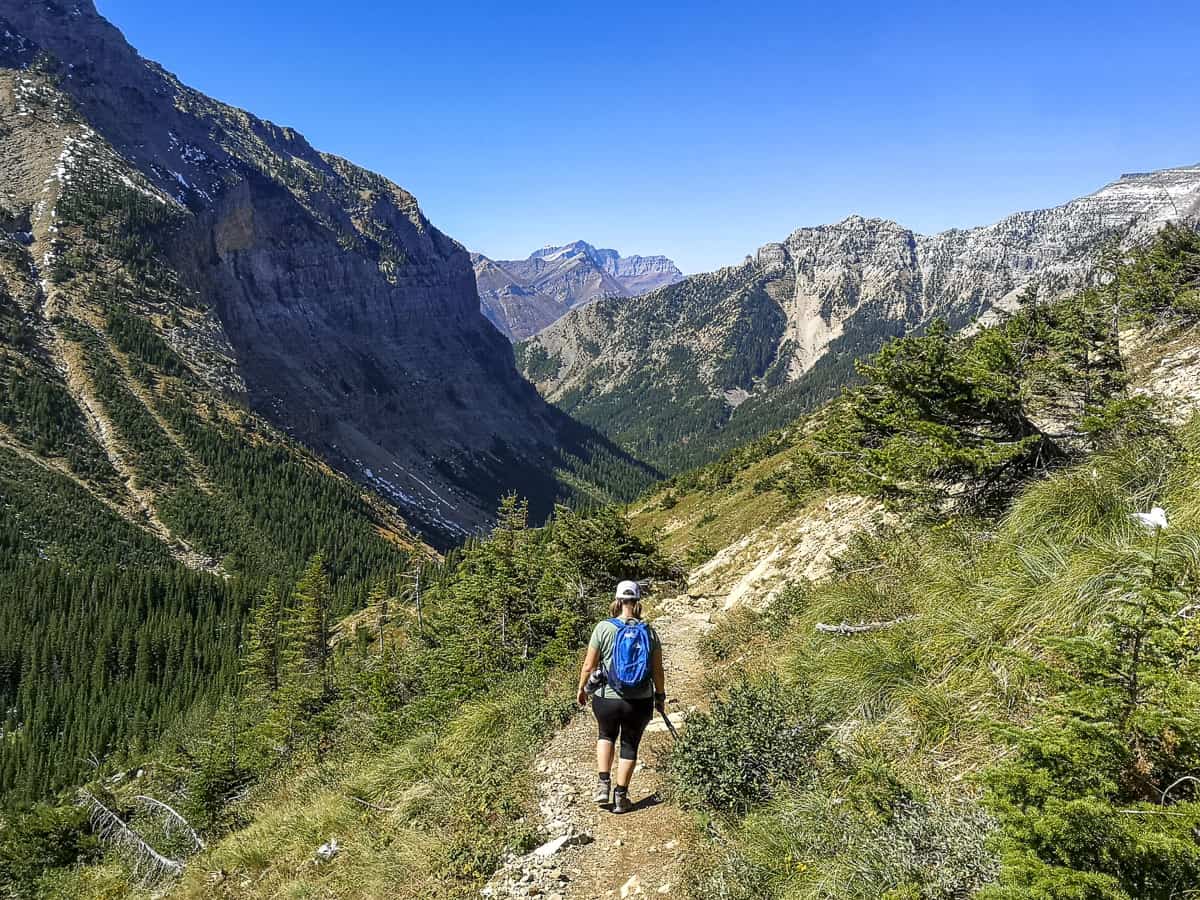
x=368, y=805
x=1174, y=784
x=174, y=821
x=845, y=628
x=148, y=864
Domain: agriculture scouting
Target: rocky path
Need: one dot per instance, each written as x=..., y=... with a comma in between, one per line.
x=591, y=853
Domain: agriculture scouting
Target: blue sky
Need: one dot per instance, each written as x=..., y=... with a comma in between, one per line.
x=703, y=130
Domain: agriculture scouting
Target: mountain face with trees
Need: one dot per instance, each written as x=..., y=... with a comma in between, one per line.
x=523, y=296
x=288, y=281
x=695, y=368
x=992, y=692
x=221, y=354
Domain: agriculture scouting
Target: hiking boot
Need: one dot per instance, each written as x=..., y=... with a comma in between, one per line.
x=603, y=788
x=621, y=802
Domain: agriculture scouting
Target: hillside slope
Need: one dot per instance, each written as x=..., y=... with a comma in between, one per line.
x=692, y=369
x=286, y=280
x=903, y=616
x=944, y=703
x=523, y=296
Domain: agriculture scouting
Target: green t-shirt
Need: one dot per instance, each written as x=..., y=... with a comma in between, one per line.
x=604, y=638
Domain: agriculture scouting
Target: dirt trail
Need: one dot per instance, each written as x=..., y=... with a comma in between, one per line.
x=593, y=853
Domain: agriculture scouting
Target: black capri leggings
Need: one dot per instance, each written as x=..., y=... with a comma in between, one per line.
x=627, y=717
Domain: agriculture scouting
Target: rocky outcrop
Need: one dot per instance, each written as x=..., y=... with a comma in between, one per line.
x=782, y=330
x=960, y=274
x=521, y=297
x=311, y=290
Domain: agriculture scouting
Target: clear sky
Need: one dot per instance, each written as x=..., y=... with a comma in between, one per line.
x=703, y=130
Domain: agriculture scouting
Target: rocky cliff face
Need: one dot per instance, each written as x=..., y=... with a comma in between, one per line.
x=289, y=280
x=777, y=333
x=963, y=273
x=521, y=297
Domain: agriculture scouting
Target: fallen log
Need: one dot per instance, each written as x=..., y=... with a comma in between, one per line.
x=845, y=628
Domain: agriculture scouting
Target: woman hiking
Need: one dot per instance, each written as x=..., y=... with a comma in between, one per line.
x=623, y=673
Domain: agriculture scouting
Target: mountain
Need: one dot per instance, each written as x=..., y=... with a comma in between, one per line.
x=681, y=373
x=917, y=678
x=277, y=278
x=222, y=354
x=521, y=297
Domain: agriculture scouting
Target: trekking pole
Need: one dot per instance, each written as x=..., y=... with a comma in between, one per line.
x=670, y=727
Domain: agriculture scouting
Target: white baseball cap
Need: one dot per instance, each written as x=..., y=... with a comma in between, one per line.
x=629, y=590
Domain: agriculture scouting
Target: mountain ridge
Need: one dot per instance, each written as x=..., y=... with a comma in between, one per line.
x=311, y=291
x=521, y=297
x=751, y=345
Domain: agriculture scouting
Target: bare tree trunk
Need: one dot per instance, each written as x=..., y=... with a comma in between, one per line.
x=845, y=628
x=148, y=863
x=173, y=816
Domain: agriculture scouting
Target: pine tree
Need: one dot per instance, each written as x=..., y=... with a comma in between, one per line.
x=1100, y=798
x=311, y=599
x=260, y=659
x=379, y=601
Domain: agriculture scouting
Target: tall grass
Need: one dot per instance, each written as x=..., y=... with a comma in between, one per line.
x=914, y=707
x=426, y=818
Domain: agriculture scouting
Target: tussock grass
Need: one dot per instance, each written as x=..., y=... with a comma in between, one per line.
x=913, y=708
x=425, y=818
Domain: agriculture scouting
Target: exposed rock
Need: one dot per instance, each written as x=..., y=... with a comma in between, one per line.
x=1167, y=367
x=553, y=846
x=755, y=568
x=328, y=850
x=521, y=297
x=785, y=327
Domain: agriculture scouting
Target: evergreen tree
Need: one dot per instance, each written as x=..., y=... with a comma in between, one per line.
x=310, y=634
x=1100, y=799
x=260, y=658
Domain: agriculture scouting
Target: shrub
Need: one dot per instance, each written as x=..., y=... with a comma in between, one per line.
x=857, y=828
x=1099, y=800
x=730, y=759
x=700, y=552
x=39, y=841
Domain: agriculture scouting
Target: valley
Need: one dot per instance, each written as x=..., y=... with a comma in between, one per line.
x=307, y=513
x=857, y=627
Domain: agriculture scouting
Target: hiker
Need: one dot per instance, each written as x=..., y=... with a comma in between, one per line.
x=623, y=674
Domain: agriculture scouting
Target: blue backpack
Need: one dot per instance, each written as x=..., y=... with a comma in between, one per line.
x=630, y=656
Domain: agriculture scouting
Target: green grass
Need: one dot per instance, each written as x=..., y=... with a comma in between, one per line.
x=721, y=508
x=428, y=817
x=913, y=708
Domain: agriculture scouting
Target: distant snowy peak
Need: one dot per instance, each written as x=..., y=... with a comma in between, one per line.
x=521, y=297
x=566, y=251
